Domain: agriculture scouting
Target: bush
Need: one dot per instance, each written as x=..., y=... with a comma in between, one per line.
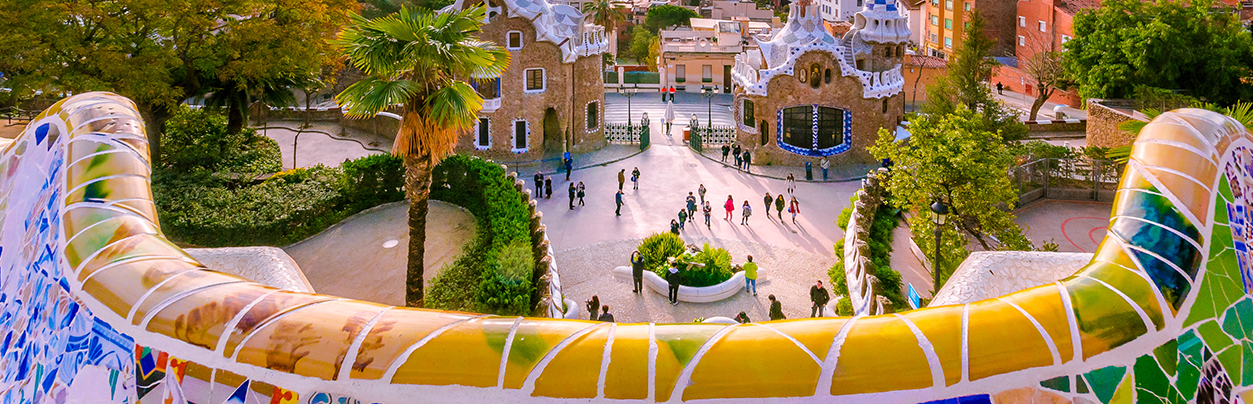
x=844, y=307
x=374, y=180
x=655, y=249
x=196, y=139
x=880, y=243
x=717, y=267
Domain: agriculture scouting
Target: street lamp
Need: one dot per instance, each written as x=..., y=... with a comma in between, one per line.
x=708, y=93
x=939, y=212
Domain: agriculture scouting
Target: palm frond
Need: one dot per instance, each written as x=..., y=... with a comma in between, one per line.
x=483, y=59
x=1120, y=154
x=372, y=95
x=455, y=105
x=1242, y=111
x=421, y=136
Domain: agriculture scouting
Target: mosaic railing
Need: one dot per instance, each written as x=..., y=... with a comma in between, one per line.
x=857, y=264
x=97, y=305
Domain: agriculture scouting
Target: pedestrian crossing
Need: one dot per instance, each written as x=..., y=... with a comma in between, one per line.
x=685, y=106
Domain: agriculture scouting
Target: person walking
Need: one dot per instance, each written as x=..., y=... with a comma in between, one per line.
x=818, y=295
x=637, y=271
x=682, y=217
x=573, y=192
x=791, y=184
x=778, y=205
x=709, y=210
x=794, y=208
x=621, y=178
x=582, y=192
x=1000, y=88
x=569, y=163
x=668, y=118
x=750, y=276
x=663, y=94
x=768, y=200
x=539, y=185
x=671, y=94
x=604, y=314
x=748, y=160
x=729, y=206
x=672, y=280
x=701, y=191
x=691, y=207
x=826, y=165
x=739, y=156
x=776, y=309
x=748, y=211
x=548, y=187
x=635, y=178
x=592, y=306
x=674, y=227
x=726, y=149
x=618, y=200
x=742, y=318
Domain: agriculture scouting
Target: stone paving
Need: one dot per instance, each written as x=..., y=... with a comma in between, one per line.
x=322, y=143
x=364, y=257
x=1076, y=226
x=787, y=273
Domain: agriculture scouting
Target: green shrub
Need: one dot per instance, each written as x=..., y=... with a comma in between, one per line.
x=374, y=180
x=844, y=307
x=880, y=243
x=196, y=139
x=655, y=249
x=514, y=262
x=842, y=219
x=717, y=267
x=454, y=288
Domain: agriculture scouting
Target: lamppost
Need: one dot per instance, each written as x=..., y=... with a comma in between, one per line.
x=708, y=93
x=628, y=94
x=939, y=212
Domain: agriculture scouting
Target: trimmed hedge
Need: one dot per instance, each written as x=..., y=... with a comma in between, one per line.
x=489, y=276
x=657, y=248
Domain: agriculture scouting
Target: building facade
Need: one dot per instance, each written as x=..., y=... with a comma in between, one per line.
x=839, y=10
x=551, y=99
x=805, y=94
x=945, y=23
x=703, y=56
x=1041, y=26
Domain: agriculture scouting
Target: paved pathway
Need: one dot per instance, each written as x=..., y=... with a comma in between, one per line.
x=1075, y=226
x=322, y=143
x=1022, y=102
x=364, y=256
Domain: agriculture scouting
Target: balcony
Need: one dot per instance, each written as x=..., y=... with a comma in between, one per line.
x=491, y=105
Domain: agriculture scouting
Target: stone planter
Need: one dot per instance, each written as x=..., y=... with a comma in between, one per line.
x=691, y=294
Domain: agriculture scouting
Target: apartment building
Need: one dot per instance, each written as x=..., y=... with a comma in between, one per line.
x=945, y=23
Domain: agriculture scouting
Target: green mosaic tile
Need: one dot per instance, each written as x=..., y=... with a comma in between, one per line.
x=1214, y=337
x=1224, y=189
x=1231, y=359
x=1081, y=386
x=1235, y=318
x=1126, y=392
x=1105, y=381
x=1150, y=378
x=1248, y=362
x=1221, y=285
x=1146, y=397
x=1167, y=356
x=1057, y=383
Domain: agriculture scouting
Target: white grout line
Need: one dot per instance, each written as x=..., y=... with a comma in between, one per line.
x=832, y=359
x=1048, y=340
x=1075, y=342
x=504, y=354
x=685, y=377
x=400, y=360
x=928, y=350
x=171, y=300
x=350, y=356
x=528, y=386
x=230, y=325
x=652, y=361
x=794, y=341
x=965, y=343
x=605, y=359
x=273, y=319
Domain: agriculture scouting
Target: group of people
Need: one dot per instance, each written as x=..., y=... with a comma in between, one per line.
x=544, y=183
x=687, y=213
x=743, y=159
x=593, y=305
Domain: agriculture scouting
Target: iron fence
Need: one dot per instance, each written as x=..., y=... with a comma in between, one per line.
x=1069, y=179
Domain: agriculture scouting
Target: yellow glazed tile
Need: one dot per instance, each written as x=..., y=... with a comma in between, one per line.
x=395, y=331
x=816, y=335
x=468, y=354
x=575, y=371
x=133, y=247
x=1194, y=197
x=775, y=366
x=267, y=308
x=532, y=341
x=875, y=347
x=1105, y=320
x=310, y=342
x=177, y=288
x=627, y=375
x=676, y=346
x=1133, y=286
x=1044, y=304
x=1181, y=159
x=202, y=321
x=113, y=228
x=943, y=328
x=121, y=286
x=992, y=323
x=103, y=165
x=111, y=189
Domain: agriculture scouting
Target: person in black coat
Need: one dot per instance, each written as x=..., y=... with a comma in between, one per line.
x=572, y=194
x=672, y=278
x=819, y=296
x=548, y=187
x=637, y=271
x=742, y=318
x=539, y=185
x=604, y=314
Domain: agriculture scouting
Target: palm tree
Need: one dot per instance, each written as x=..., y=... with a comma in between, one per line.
x=418, y=61
x=606, y=14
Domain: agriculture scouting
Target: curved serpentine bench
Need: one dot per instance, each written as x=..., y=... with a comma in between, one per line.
x=94, y=298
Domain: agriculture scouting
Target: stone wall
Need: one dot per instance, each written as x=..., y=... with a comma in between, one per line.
x=843, y=92
x=861, y=284
x=1103, y=121
x=562, y=94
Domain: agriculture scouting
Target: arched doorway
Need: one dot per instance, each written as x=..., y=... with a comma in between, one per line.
x=552, y=133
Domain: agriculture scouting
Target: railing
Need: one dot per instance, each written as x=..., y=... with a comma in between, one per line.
x=717, y=135
x=621, y=133
x=491, y=104
x=12, y=114
x=1070, y=179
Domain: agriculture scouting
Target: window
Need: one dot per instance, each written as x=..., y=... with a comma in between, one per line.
x=935, y=20
x=934, y=38
x=1022, y=21
x=1022, y=40
x=515, y=40
x=592, y=110
x=483, y=134
x=488, y=89
x=948, y=4
x=521, y=131
x=748, y=118
x=859, y=3
x=826, y=76
x=814, y=72
x=534, y=80
x=948, y=42
x=680, y=73
x=935, y=3
x=967, y=6
x=798, y=125
x=765, y=133
x=706, y=74
x=948, y=23
x=1042, y=29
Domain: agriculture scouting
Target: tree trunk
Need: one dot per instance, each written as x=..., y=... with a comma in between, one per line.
x=154, y=122
x=418, y=190
x=1041, y=97
x=235, y=118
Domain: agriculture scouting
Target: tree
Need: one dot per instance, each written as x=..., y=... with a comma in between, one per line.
x=1165, y=44
x=604, y=13
x=420, y=60
x=1043, y=66
x=964, y=86
x=641, y=45
x=161, y=53
x=955, y=160
x=668, y=15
